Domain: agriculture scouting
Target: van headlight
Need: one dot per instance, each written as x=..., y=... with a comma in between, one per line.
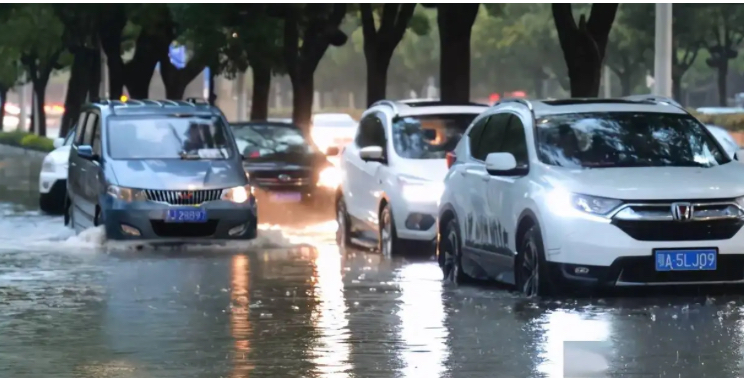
x=126, y=194
x=330, y=177
x=414, y=189
x=238, y=194
x=565, y=203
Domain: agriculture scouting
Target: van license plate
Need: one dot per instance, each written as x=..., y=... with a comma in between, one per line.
x=186, y=216
x=668, y=260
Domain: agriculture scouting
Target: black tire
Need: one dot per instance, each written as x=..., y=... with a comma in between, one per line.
x=70, y=217
x=389, y=244
x=343, y=232
x=450, y=254
x=530, y=266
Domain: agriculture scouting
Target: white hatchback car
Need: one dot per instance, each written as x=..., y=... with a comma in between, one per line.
x=53, y=176
x=551, y=195
x=392, y=173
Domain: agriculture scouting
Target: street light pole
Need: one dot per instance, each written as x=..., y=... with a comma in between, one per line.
x=663, y=51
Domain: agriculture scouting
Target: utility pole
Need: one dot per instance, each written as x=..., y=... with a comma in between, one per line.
x=240, y=87
x=663, y=51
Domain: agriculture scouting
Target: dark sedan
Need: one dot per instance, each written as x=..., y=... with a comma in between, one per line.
x=284, y=166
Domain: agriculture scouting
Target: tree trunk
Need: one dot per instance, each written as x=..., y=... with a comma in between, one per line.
x=138, y=71
x=626, y=83
x=39, y=113
x=722, y=90
x=77, y=87
x=455, y=25
x=3, y=101
x=212, y=95
x=377, y=69
x=677, y=87
x=302, y=101
x=260, y=96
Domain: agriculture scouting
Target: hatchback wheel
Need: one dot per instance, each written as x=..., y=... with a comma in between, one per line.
x=389, y=243
x=343, y=232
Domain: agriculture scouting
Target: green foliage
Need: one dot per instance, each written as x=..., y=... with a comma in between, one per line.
x=630, y=46
x=731, y=122
x=35, y=32
x=26, y=140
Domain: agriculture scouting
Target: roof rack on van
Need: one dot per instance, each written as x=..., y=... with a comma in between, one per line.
x=196, y=101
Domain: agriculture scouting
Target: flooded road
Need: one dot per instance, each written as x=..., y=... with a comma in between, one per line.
x=292, y=305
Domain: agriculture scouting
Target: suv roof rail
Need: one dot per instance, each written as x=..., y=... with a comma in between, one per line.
x=517, y=100
x=387, y=103
x=653, y=98
x=196, y=101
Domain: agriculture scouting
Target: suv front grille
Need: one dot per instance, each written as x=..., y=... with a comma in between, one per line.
x=680, y=231
x=184, y=197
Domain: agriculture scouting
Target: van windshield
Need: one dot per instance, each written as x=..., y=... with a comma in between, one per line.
x=168, y=137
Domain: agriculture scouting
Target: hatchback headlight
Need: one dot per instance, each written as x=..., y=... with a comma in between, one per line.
x=564, y=203
x=238, y=194
x=126, y=194
x=48, y=166
x=415, y=189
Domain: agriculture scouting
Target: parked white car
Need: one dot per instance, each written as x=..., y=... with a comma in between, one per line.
x=726, y=140
x=392, y=174
x=53, y=176
x=551, y=195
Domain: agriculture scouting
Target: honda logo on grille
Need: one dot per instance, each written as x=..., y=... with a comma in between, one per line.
x=682, y=211
x=186, y=195
x=284, y=178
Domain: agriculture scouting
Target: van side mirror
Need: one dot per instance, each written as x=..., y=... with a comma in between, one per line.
x=371, y=153
x=58, y=142
x=86, y=152
x=501, y=164
x=739, y=156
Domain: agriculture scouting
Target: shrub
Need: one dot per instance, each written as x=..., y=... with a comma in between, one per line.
x=730, y=122
x=26, y=140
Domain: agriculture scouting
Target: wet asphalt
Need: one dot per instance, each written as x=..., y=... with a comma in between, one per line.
x=291, y=304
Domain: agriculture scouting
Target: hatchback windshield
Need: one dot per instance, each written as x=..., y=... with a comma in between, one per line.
x=168, y=138
x=624, y=139
x=429, y=136
x=257, y=141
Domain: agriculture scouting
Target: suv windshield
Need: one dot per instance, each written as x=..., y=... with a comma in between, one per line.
x=429, y=136
x=625, y=139
x=168, y=137
x=260, y=141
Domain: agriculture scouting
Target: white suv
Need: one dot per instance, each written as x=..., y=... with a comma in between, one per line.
x=393, y=172
x=551, y=195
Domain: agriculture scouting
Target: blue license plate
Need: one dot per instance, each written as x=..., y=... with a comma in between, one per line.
x=186, y=216
x=668, y=260
x=286, y=197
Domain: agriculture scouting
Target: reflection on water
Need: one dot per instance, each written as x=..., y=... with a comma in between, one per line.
x=330, y=353
x=422, y=317
x=240, y=324
x=563, y=325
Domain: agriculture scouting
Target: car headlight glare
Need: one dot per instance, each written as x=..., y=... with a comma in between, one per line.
x=329, y=177
x=238, y=194
x=126, y=194
x=564, y=203
x=415, y=189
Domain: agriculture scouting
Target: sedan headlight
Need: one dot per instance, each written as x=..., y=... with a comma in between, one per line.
x=415, y=189
x=565, y=203
x=329, y=177
x=126, y=194
x=238, y=194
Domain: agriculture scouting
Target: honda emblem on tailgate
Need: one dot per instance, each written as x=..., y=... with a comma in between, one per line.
x=284, y=178
x=682, y=211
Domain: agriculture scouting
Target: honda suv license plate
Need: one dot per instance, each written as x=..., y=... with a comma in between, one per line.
x=668, y=260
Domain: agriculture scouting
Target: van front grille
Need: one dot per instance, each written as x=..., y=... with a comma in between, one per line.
x=184, y=197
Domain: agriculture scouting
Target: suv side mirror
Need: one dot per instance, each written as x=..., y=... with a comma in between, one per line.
x=332, y=151
x=371, y=153
x=58, y=142
x=739, y=156
x=501, y=164
x=86, y=152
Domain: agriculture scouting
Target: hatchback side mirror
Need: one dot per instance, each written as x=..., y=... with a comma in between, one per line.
x=371, y=153
x=501, y=163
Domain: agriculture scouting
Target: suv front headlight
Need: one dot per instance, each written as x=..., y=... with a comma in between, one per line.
x=126, y=194
x=238, y=194
x=414, y=189
x=564, y=203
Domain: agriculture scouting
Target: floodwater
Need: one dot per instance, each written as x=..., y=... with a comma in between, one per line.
x=290, y=304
